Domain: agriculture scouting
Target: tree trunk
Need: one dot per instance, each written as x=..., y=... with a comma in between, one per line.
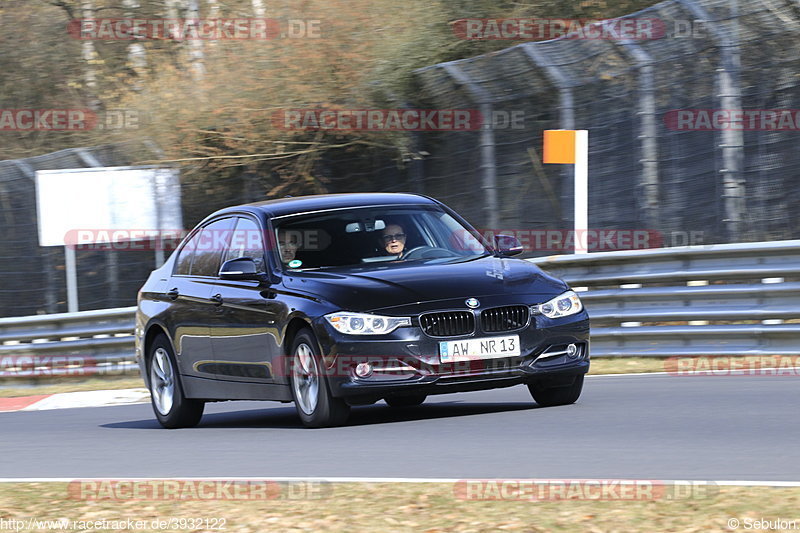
x=213, y=13
x=137, y=56
x=197, y=57
x=172, y=8
x=259, y=9
x=188, y=9
x=89, y=56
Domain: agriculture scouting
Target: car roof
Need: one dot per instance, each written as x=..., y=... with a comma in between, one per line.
x=321, y=202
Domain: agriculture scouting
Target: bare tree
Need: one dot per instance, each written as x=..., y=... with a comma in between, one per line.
x=213, y=8
x=213, y=13
x=188, y=10
x=196, y=53
x=90, y=57
x=259, y=9
x=171, y=7
x=137, y=56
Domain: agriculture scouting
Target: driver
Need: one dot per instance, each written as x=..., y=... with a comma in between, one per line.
x=394, y=240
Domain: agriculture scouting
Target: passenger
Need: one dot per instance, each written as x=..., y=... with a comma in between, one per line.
x=288, y=245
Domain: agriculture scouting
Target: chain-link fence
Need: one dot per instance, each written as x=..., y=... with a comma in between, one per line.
x=729, y=185
x=33, y=277
x=645, y=170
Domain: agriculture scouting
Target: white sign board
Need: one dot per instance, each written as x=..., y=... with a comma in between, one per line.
x=92, y=202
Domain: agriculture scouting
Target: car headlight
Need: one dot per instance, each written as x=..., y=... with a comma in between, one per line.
x=362, y=324
x=562, y=305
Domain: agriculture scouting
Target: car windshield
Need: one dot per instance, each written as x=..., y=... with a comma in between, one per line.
x=368, y=235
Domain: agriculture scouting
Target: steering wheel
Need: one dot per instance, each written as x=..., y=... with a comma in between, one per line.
x=427, y=252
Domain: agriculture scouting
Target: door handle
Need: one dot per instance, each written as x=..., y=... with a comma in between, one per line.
x=217, y=299
x=173, y=293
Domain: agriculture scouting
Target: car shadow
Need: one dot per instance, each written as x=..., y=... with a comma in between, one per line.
x=381, y=413
x=377, y=414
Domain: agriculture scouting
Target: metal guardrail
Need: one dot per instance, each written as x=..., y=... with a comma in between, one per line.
x=726, y=300
x=68, y=344
x=720, y=300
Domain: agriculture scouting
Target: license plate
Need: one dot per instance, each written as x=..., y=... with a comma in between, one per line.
x=485, y=348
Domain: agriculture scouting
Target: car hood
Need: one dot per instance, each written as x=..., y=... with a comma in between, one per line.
x=395, y=287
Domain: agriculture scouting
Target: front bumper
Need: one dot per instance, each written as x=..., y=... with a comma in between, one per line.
x=406, y=362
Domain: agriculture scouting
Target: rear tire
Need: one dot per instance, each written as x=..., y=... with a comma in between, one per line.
x=315, y=405
x=171, y=407
x=406, y=401
x=551, y=396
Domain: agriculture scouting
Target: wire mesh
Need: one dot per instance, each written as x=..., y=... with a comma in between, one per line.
x=674, y=182
x=605, y=80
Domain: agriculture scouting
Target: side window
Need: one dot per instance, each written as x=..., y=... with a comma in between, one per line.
x=247, y=241
x=212, y=243
x=184, y=262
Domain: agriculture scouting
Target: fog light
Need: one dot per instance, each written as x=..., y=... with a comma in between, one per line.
x=363, y=370
x=572, y=350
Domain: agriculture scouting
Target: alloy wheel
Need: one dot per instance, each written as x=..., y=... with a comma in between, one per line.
x=305, y=379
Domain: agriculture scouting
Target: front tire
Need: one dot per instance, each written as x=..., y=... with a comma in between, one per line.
x=551, y=396
x=172, y=409
x=315, y=405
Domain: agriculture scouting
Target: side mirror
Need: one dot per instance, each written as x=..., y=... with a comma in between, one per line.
x=507, y=245
x=243, y=268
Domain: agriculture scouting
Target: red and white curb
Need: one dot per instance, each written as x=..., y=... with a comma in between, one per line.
x=69, y=400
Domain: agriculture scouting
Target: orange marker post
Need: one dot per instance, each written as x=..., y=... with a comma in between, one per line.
x=571, y=147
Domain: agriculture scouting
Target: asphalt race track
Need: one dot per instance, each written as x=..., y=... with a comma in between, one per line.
x=639, y=427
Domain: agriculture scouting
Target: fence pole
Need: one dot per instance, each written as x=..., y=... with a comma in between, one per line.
x=72, y=279
x=566, y=113
x=649, y=181
x=487, y=143
x=729, y=97
x=566, y=107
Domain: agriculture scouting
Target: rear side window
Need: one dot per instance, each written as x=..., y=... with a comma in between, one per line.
x=247, y=241
x=184, y=262
x=213, y=241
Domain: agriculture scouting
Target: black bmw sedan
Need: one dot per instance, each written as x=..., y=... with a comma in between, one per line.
x=339, y=300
